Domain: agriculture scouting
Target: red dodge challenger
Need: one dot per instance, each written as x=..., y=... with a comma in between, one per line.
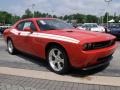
x=60, y=44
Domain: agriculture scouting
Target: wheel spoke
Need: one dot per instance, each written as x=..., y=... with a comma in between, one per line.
x=54, y=62
x=58, y=54
x=61, y=60
x=53, y=54
x=59, y=66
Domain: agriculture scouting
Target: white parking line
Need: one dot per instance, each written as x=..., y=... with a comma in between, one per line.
x=100, y=80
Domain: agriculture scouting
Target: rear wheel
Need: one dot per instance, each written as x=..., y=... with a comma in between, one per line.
x=57, y=59
x=10, y=47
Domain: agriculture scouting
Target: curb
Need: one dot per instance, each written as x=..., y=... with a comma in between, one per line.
x=94, y=80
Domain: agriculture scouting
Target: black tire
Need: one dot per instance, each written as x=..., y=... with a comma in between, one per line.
x=66, y=66
x=11, y=45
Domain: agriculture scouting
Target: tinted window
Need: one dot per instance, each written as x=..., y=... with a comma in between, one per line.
x=114, y=26
x=53, y=24
x=90, y=25
x=29, y=24
x=20, y=26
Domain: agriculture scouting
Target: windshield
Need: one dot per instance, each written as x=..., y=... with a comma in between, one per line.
x=114, y=26
x=53, y=24
x=90, y=25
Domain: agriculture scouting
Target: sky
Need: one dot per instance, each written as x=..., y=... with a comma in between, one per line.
x=61, y=7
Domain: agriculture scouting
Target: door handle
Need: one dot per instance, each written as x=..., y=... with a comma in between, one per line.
x=19, y=33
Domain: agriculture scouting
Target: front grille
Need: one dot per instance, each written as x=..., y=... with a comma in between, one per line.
x=99, y=45
x=103, y=44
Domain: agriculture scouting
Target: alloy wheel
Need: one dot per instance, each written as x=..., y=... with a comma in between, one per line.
x=56, y=59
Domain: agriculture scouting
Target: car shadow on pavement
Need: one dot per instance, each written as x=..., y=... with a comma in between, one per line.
x=33, y=59
x=73, y=71
x=83, y=73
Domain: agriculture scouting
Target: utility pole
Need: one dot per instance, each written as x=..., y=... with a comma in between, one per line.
x=108, y=3
x=33, y=6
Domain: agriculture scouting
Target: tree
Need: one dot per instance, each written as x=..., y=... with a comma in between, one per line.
x=37, y=14
x=105, y=18
x=116, y=18
x=61, y=17
x=5, y=17
x=81, y=18
x=8, y=18
x=91, y=19
x=28, y=14
x=15, y=18
x=54, y=16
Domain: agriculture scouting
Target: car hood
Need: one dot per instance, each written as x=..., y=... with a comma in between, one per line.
x=82, y=35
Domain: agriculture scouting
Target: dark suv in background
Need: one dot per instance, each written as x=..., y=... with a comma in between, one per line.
x=114, y=29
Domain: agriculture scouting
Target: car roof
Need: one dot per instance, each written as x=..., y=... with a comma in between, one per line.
x=32, y=19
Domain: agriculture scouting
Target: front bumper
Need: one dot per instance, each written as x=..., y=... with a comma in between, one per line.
x=87, y=59
x=101, y=62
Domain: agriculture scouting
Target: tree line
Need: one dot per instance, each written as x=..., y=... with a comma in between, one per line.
x=8, y=18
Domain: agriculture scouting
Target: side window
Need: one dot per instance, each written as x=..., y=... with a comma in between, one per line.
x=25, y=24
x=20, y=26
x=29, y=24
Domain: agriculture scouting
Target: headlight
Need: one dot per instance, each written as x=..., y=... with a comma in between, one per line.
x=87, y=46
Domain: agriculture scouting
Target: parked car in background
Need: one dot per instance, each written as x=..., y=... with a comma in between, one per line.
x=2, y=28
x=60, y=44
x=92, y=27
x=79, y=25
x=114, y=29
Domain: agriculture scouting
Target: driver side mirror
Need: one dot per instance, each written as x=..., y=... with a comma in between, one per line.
x=28, y=29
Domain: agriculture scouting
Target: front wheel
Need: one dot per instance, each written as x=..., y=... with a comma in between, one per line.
x=58, y=60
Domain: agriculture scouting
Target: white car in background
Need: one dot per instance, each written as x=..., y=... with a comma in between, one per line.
x=2, y=28
x=92, y=27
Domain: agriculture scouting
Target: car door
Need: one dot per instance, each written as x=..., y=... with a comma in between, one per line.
x=34, y=43
x=30, y=40
x=18, y=38
x=22, y=39
x=26, y=39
